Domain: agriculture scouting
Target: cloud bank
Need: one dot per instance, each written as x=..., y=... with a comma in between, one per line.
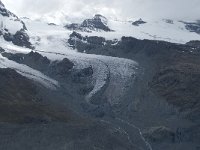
x=121, y=9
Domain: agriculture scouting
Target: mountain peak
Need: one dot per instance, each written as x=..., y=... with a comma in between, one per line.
x=101, y=18
x=139, y=22
x=97, y=23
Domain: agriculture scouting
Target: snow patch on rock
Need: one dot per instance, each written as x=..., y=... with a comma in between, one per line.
x=29, y=73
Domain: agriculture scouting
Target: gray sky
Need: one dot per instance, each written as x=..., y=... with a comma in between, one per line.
x=122, y=9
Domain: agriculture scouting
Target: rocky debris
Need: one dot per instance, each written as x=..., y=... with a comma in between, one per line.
x=80, y=75
x=86, y=72
x=61, y=68
x=159, y=134
x=138, y=22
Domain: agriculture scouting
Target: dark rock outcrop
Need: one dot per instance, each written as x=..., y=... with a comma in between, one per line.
x=193, y=26
x=32, y=59
x=7, y=36
x=61, y=68
x=21, y=38
x=96, y=23
x=138, y=22
x=81, y=43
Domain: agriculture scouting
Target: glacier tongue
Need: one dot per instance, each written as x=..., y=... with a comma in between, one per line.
x=111, y=75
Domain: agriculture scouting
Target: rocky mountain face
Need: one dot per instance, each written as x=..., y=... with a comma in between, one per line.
x=138, y=22
x=97, y=23
x=26, y=119
x=4, y=11
x=170, y=74
x=21, y=101
x=12, y=28
x=193, y=26
x=35, y=110
x=175, y=66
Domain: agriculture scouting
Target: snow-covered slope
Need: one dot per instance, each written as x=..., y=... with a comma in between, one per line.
x=12, y=28
x=162, y=29
x=110, y=74
x=8, y=21
x=174, y=31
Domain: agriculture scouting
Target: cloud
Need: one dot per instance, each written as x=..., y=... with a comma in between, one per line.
x=122, y=9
